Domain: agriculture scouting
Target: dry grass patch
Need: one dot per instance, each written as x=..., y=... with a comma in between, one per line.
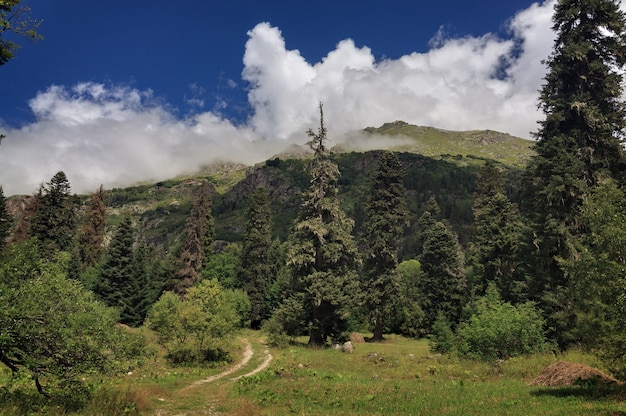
x=565, y=373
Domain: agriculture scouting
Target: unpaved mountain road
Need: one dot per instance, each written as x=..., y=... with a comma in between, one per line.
x=210, y=390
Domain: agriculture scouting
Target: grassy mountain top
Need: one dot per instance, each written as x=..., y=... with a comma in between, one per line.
x=438, y=143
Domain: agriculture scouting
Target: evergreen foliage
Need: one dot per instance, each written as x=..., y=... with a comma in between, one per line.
x=580, y=140
x=597, y=293
x=322, y=255
x=442, y=285
x=496, y=247
x=198, y=245
x=116, y=272
x=54, y=222
x=387, y=215
x=254, y=274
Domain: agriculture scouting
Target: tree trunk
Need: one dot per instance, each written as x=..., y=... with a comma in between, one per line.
x=378, y=330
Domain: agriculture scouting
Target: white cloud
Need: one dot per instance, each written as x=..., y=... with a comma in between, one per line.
x=116, y=135
x=467, y=83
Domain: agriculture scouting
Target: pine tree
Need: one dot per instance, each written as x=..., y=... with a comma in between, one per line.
x=387, y=215
x=581, y=138
x=117, y=268
x=6, y=221
x=442, y=286
x=322, y=255
x=199, y=235
x=495, y=249
x=137, y=295
x=254, y=272
x=91, y=234
x=54, y=222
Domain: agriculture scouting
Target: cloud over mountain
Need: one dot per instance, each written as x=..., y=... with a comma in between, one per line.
x=117, y=135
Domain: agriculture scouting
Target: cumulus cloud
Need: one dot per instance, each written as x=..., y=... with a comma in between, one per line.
x=117, y=135
x=461, y=83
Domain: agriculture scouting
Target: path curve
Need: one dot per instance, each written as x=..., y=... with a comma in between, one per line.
x=247, y=355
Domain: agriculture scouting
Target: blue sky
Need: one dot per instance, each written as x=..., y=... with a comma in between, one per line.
x=122, y=91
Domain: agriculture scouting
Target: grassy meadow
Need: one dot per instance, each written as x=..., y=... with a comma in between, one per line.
x=397, y=377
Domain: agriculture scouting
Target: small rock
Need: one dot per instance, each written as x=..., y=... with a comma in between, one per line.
x=347, y=347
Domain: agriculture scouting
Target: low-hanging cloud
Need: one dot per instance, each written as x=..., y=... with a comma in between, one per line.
x=117, y=135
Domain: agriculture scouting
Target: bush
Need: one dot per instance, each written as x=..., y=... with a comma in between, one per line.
x=500, y=330
x=443, y=339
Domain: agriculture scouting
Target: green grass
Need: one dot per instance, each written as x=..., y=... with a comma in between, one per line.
x=401, y=377
x=398, y=377
x=462, y=147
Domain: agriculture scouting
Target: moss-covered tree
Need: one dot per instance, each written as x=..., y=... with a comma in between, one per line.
x=579, y=141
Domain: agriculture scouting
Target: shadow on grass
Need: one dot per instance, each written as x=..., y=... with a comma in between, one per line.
x=598, y=392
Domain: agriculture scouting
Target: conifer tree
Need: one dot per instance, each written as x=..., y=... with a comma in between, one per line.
x=254, y=273
x=387, y=215
x=322, y=255
x=54, y=222
x=137, y=296
x=442, y=285
x=494, y=253
x=117, y=268
x=581, y=138
x=91, y=234
x=199, y=236
x=6, y=221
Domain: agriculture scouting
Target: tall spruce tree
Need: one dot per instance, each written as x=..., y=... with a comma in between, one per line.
x=117, y=268
x=6, y=221
x=198, y=245
x=387, y=215
x=496, y=246
x=254, y=273
x=442, y=284
x=580, y=140
x=91, y=233
x=54, y=222
x=322, y=256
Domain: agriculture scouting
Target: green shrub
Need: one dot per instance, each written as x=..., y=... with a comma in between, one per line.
x=443, y=339
x=499, y=330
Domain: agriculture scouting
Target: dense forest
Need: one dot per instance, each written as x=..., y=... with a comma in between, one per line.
x=486, y=258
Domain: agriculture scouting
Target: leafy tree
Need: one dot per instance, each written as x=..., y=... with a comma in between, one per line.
x=194, y=328
x=387, y=215
x=598, y=290
x=499, y=330
x=54, y=222
x=117, y=269
x=580, y=140
x=408, y=316
x=51, y=327
x=495, y=250
x=442, y=285
x=199, y=235
x=91, y=233
x=254, y=273
x=322, y=255
x=15, y=18
x=6, y=221
x=223, y=266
